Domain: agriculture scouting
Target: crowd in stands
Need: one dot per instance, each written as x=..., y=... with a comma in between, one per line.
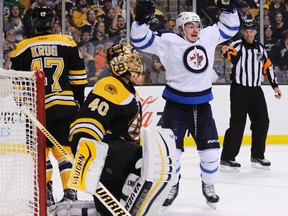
x=96, y=25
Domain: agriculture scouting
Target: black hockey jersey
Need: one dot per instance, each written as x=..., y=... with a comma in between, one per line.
x=112, y=107
x=65, y=74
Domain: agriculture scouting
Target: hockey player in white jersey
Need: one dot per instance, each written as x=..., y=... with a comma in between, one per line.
x=188, y=59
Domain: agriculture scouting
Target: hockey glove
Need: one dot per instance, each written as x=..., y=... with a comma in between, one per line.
x=227, y=5
x=145, y=11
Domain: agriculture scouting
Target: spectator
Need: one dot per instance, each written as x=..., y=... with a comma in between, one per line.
x=119, y=3
x=132, y=11
x=9, y=42
x=8, y=45
x=253, y=3
x=147, y=65
x=16, y=23
x=109, y=16
x=276, y=5
x=87, y=49
x=158, y=72
x=69, y=8
x=107, y=4
x=27, y=20
x=157, y=23
x=94, y=4
x=91, y=20
x=169, y=24
x=56, y=27
x=269, y=40
x=70, y=30
x=85, y=36
x=100, y=58
x=99, y=35
x=117, y=31
x=101, y=53
x=278, y=25
x=243, y=11
x=101, y=18
x=79, y=15
x=279, y=55
x=7, y=5
x=267, y=17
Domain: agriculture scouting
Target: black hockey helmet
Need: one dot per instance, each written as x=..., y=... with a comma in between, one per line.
x=249, y=24
x=123, y=58
x=42, y=17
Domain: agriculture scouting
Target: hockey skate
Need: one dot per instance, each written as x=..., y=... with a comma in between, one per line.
x=260, y=163
x=209, y=193
x=172, y=195
x=229, y=166
x=49, y=196
x=70, y=195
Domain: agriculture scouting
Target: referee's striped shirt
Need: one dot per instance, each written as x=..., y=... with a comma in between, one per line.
x=250, y=62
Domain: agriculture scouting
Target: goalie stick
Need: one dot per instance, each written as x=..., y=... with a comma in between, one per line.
x=102, y=193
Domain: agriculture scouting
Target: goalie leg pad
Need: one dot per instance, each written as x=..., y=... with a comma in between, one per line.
x=158, y=171
x=88, y=165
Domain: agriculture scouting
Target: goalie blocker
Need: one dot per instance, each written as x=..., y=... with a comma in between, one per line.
x=146, y=194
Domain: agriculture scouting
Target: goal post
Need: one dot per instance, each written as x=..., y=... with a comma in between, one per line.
x=22, y=145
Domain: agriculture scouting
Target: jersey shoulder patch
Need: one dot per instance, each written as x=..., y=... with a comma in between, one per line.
x=112, y=90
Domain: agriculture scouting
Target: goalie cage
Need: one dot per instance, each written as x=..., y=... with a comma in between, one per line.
x=22, y=145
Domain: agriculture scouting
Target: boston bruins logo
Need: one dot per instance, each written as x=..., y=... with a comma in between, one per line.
x=195, y=59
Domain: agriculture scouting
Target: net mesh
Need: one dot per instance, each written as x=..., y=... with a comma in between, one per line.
x=19, y=188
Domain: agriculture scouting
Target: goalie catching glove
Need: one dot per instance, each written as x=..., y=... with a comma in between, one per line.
x=145, y=11
x=227, y=5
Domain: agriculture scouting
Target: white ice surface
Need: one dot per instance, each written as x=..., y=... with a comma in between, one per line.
x=250, y=192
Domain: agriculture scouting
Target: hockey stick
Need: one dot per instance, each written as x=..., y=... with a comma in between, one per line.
x=102, y=193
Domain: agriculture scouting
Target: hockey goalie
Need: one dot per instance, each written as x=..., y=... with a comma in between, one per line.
x=111, y=116
x=145, y=188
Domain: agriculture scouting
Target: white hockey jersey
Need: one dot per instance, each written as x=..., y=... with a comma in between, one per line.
x=189, y=66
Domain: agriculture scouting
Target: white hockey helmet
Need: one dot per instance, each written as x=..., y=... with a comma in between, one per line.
x=186, y=17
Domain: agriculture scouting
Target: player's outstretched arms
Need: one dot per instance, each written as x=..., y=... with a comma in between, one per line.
x=145, y=10
x=227, y=5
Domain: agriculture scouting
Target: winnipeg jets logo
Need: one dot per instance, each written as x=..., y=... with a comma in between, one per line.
x=195, y=59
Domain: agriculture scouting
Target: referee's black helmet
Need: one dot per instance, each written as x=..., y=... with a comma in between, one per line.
x=249, y=24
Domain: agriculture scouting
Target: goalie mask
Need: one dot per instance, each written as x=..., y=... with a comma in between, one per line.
x=123, y=58
x=42, y=18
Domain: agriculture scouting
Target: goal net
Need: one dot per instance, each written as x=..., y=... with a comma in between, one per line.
x=22, y=146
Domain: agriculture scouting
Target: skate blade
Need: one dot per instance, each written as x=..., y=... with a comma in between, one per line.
x=259, y=166
x=211, y=205
x=229, y=169
x=164, y=208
